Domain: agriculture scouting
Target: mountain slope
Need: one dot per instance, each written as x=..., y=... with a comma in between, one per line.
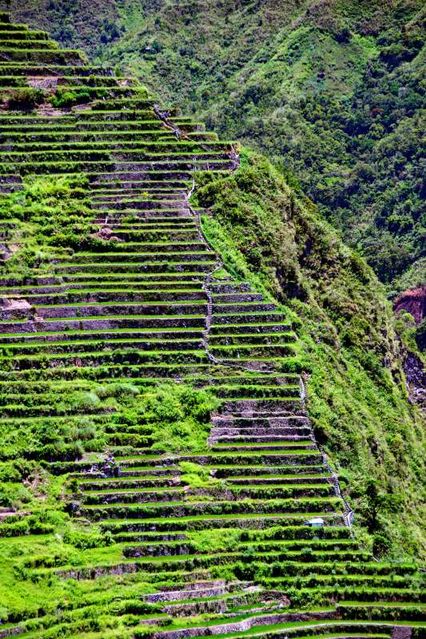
x=332, y=89
x=169, y=376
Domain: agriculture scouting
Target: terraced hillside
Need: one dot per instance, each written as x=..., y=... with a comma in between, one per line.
x=178, y=532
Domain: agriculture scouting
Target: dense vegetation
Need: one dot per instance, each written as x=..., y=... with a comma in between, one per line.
x=332, y=90
x=83, y=23
x=351, y=353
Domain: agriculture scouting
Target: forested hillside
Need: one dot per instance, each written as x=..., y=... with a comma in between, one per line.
x=333, y=90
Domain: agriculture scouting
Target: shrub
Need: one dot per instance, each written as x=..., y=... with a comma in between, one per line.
x=25, y=99
x=82, y=539
x=13, y=495
x=196, y=476
x=180, y=417
x=65, y=98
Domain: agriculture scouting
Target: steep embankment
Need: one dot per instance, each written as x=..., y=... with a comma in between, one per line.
x=332, y=89
x=161, y=474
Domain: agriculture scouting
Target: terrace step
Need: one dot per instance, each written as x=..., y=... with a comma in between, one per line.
x=197, y=590
x=223, y=521
x=246, y=623
x=278, y=434
x=274, y=406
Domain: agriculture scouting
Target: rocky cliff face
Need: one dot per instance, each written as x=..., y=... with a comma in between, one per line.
x=416, y=379
x=414, y=302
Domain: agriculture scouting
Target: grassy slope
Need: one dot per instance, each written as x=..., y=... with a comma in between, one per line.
x=356, y=391
x=351, y=398
x=331, y=89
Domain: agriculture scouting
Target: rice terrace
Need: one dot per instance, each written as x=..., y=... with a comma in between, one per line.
x=212, y=421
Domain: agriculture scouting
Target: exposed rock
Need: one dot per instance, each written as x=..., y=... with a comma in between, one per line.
x=6, y=512
x=47, y=110
x=82, y=107
x=14, y=308
x=105, y=233
x=414, y=302
x=5, y=253
x=401, y=632
x=43, y=82
x=416, y=378
x=11, y=632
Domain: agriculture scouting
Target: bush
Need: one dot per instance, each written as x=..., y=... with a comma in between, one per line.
x=13, y=495
x=65, y=98
x=180, y=416
x=196, y=476
x=25, y=99
x=85, y=539
x=58, y=213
